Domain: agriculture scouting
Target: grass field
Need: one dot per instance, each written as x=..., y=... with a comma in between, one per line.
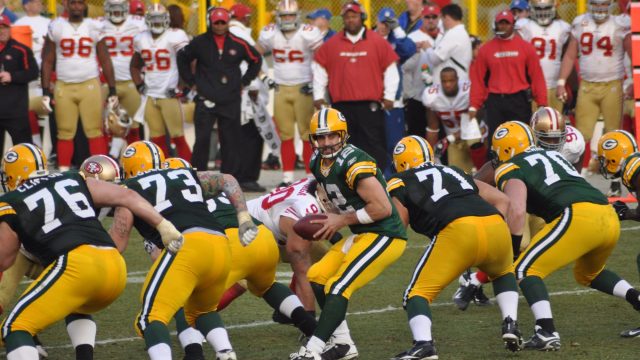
x=588, y=322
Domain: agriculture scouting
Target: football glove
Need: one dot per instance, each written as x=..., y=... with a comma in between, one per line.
x=171, y=237
x=269, y=82
x=46, y=103
x=621, y=209
x=171, y=93
x=142, y=89
x=307, y=89
x=247, y=230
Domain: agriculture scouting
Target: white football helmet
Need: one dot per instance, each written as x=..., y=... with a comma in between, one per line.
x=543, y=11
x=116, y=11
x=157, y=19
x=599, y=9
x=287, y=7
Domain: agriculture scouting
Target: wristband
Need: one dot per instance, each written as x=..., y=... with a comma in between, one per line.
x=432, y=130
x=363, y=216
x=112, y=91
x=243, y=217
x=562, y=82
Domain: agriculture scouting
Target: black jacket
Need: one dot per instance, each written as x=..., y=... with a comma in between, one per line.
x=17, y=60
x=218, y=77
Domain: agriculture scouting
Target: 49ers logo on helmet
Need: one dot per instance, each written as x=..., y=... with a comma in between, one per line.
x=93, y=167
x=129, y=152
x=11, y=156
x=609, y=144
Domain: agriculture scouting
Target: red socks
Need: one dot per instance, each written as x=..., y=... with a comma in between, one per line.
x=288, y=152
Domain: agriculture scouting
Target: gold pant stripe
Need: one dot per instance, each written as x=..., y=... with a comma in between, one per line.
x=47, y=281
x=530, y=256
x=418, y=270
x=361, y=263
x=152, y=290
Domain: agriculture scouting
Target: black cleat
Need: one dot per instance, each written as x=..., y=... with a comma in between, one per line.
x=479, y=298
x=421, y=350
x=543, y=340
x=511, y=335
x=272, y=162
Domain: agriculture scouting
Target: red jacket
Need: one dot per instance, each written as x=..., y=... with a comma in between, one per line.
x=356, y=71
x=502, y=67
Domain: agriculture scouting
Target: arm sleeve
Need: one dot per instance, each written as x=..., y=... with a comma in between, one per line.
x=478, y=87
x=538, y=84
x=185, y=56
x=391, y=82
x=320, y=80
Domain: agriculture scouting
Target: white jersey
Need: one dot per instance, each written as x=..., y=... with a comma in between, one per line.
x=159, y=55
x=448, y=109
x=119, y=41
x=548, y=42
x=292, y=55
x=573, y=146
x=294, y=201
x=76, y=59
x=39, y=27
x=413, y=83
x=600, y=47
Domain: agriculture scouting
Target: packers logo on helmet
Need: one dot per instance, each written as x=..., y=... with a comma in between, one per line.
x=613, y=148
x=324, y=122
x=101, y=167
x=410, y=152
x=176, y=163
x=140, y=157
x=21, y=162
x=510, y=139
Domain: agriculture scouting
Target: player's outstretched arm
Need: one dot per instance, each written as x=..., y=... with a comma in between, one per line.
x=9, y=246
x=494, y=197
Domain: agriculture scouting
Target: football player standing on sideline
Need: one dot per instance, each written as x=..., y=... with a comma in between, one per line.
x=155, y=51
x=601, y=41
x=74, y=47
x=118, y=32
x=581, y=227
x=292, y=45
x=356, y=187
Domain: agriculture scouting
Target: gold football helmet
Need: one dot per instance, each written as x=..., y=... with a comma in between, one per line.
x=550, y=128
x=324, y=122
x=599, y=10
x=543, y=11
x=141, y=156
x=116, y=10
x=176, y=163
x=21, y=162
x=118, y=122
x=287, y=7
x=157, y=19
x=101, y=167
x=613, y=148
x=510, y=139
x=410, y=152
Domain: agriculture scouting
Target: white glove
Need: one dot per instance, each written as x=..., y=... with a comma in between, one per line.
x=171, y=237
x=113, y=102
x=46, y=104
x=247, y=230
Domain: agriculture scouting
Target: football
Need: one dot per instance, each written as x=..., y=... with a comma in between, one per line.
x=305, y=228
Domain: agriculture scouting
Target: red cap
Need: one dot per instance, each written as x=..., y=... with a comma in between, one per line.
x=431, y=10
x=135, y=6
x=240, y=11
x=505, y=15
x=351, y=7
x=219, y=14
x=4, y=20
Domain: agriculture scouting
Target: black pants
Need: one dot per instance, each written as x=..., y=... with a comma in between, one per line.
x=415, y=116
x=18, y=128
x=501, y=108
x=365, y=124
x=252, y=144
x=232, y=147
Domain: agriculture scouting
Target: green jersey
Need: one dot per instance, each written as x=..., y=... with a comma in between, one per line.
x=52, y=215
x=177, y=195
x=552, y=182
x=340, y=180
x=630, y=171
x=436, y=195
x=224, y=212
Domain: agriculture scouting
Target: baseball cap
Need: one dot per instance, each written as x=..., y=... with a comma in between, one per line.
x=519, y=4
x=386, y=13
x=219, y=14
x=320, y=13
x=135, y=6
x=506, y=16
x=430, y=10
x=4, y=20
x=352, y=6
x=240, y=11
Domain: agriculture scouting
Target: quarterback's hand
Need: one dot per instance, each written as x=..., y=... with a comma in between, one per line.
x=171, y=237
x=621, y=209
x=561, y=93
x=46, y=103
x=247, y=230
x=330, y=226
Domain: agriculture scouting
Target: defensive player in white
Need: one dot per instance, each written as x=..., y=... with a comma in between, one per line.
x=447, y=102
x=155, y=50
x=548, y=34
x=292, y=45
x=119, y=29
x=39, y=26
x=74, y=47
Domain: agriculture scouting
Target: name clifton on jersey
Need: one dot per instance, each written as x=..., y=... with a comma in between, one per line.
x=35, y=182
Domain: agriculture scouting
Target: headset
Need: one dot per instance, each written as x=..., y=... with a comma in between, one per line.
x=212, y=9
x=363, y=13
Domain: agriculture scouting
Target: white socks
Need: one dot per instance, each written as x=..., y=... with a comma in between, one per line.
x=508, y=303
x=190, y=336
x=289, y=304
x=23, y=353
x=82, y=331
x=219, y=339
x=420, y=328
x=160, y=351
x=541, y=310
x=621, y=288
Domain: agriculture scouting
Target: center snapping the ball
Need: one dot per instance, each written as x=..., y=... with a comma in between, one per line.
x=305, y=228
